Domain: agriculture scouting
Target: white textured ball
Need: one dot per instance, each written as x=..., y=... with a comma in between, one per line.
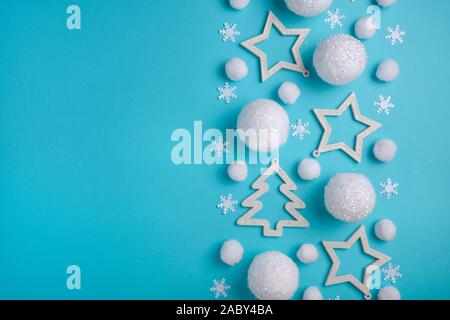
x=350, y=197
x=385, y=150
x=236, y=69
x=309, y=169
x=388, y=70
x=340, y=59
x=263, y=125
x=386, y=3
x=385, y=230
x=389, y=293
x=289, y=92
x=231, y=252
x=239, y=4
x=312, y=293
x=273, y=276
x=238, y=171
x=307, y=253
x=365, y=28
x=308, y=8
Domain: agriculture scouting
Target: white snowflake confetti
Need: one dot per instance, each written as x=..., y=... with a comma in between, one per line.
x=229, y=32
x=219, y=147
x=227, y=204
x=392, y=273
x=395, y=35
x=335, y=18
x=227, y=93
x=384, y=105
x=300, y=129
x=220, y=288
x=389, y=188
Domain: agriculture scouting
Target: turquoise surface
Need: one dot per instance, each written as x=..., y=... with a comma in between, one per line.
x=87, y=179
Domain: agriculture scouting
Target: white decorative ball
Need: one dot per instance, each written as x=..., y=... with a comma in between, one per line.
x=231, y=252
x=385, y=150
x=312, y=293
x=289, y=92
x=386, y=3
x=365, y=28
x=263, y=125
x=237, y=171
x=239, y=4
x=308, y=8
x=273, y=276
x=350, y=197
x=388, y=70
x=309, y=169
x=385, y=230
x=236, y=69
x=389, y=293
x=340, y=59
x=307, y=253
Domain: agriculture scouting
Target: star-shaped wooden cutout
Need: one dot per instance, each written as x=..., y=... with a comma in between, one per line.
x=355, y=153
x=267, y=72
x=333, y=278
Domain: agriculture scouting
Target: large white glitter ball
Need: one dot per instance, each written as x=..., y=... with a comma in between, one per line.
x=289, y=92
x=388, y=70
x=340, y=59
x=389, y=293
x=312, y=293
x=386, y=3
x=350, y=197
x=308, y=8
x=239, y=4
x=385, y=230
x=236, y=69
x=273, y=276
x=307, y=253
x=263, y=125
x=385, y=150
x=231, y=252
x=365, y=28
x=238, y=171
x=309, y=169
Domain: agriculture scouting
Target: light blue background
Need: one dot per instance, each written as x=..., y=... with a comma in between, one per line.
x=86, y=176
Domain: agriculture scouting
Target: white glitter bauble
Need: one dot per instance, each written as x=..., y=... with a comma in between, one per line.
x=388, y=70
x=385, y=150
x=237, y=171
x=386, y=3
x=273, y=276
x=308, y=8
x=307, y=253
x=289, y=92
x=231, y=252
x=239, y=4
x=236, y=69
x=312, y=293
x=389, y=293
x=350, y=197
x=365, y=28
x=340, y=59
x=385, y=230
x=309, y=169
x=267, y=121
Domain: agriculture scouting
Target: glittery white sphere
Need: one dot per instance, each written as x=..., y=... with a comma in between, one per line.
x=350, y=197
x=237, y=171
x=289, y=92
x=389, y=293
x=266, y=120
x=231, y=252
x=307, y=253
x=388, y=70
x=236, y=69
x=365, y=28
x=340, y=59
x=385, y=230
x=309, y=169
x=308, y=8
x=385, y=150
x=239, y=4
x=386, y=3
x=312, y=293
x=273, y=276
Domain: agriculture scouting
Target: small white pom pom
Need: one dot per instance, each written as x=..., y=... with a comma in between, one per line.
x=308, y=8
x=236, y=69
x=365, y=28
x=307, y=253
x=388, y=70
x=231, y=252
x=238, y=171
x=385, y=150
x=309, y=169
x=389, y=293
x=289, y=92
x=312, y=293
x=385, y=230
x=239, y=4
x=386, y=3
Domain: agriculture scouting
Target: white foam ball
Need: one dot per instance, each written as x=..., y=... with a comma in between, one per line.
x=309, y=169
x=388, y=70
x=236, y=69
x=340, y=59
x=263, y=125
x=350, y=197
x=386, y=3
x=385, y=150
x=273, y=276
x=307, y=253
x=239, y=4
x=289, y=92
x=237, y=171
x=312, y=293
x=389, y=293
x=308, y=8
x=385, y=230
x=231, y=252
x=365, y=28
